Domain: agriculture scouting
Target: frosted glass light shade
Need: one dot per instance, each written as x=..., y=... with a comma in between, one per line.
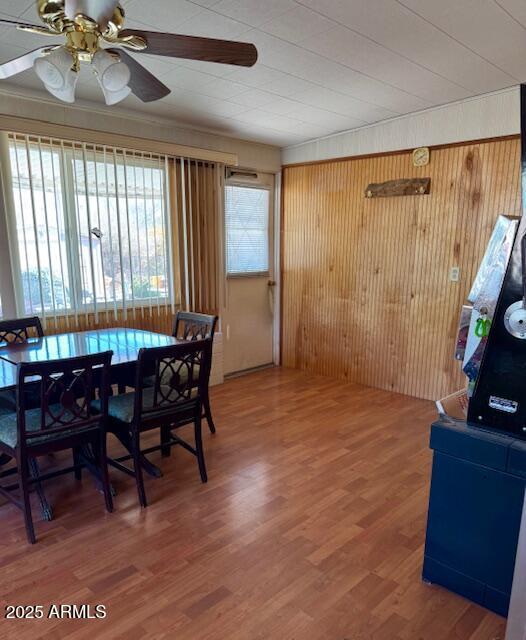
x=112, y=97
x=56, y=72
x=113, y=75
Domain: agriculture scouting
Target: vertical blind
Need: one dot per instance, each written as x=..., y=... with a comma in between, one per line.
x=195, y=188
x=91, y=227
x=99, y=235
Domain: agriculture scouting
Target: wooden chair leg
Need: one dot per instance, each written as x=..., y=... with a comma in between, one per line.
x=199, y=448
x=77, y=464
x=47, y=511
x=208, y=414
x=105, y=478
x=137, y=467
x=165, y=438
x=23, y=475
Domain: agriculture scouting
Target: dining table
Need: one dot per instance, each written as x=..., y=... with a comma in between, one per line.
x=124, y=342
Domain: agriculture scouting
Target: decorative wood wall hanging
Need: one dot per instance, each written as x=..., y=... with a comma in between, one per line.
x=409, y=187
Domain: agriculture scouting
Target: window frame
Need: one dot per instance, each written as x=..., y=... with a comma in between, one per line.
x=68, y=198
x=8, y=258
x=259, y=186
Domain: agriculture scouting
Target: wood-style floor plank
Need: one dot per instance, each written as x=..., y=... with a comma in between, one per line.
x=311, y=527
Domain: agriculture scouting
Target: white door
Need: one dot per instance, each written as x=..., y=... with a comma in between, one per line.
x=248, y=320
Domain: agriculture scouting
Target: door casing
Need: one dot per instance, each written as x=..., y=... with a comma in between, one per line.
x=250, y=319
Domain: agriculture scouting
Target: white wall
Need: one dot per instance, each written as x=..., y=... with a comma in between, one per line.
x=251, y=155
x=487, y=116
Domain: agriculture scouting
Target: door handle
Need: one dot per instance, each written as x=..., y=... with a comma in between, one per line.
x=270, y=292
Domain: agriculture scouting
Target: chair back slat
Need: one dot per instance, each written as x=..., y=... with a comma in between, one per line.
x=20, y=330
x=180, y=374
x=66, y=388
x=194, y=326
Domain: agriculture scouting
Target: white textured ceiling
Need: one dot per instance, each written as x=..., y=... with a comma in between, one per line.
x=324, y=65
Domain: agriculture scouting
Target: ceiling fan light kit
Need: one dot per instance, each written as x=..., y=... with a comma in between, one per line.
x=113, y=97
x=87, y=25
x=113, y=76
x=57, y=72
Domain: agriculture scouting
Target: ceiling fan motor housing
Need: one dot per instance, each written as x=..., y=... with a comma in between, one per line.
x=100, y=17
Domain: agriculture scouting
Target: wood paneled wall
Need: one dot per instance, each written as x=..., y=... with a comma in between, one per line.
x=366, y=289
x=158, y=319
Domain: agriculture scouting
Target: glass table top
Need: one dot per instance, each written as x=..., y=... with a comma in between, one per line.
x=124, y=342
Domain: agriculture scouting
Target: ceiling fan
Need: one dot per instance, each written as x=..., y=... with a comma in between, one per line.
x=87, y=25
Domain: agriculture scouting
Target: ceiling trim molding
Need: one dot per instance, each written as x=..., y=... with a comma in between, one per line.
x=34, y=127
x=397, y=152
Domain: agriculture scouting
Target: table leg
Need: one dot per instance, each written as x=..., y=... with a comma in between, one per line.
x=152, y=470
x=45, y=507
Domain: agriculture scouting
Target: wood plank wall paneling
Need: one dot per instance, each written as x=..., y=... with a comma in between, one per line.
x=159, y=320
x=366, y=289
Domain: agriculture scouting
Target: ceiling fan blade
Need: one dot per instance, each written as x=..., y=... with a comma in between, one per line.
x=18, y=25
x=98, y=10
x=194, y=48
x=22, y=63
x=142, y=83
x=27, y=26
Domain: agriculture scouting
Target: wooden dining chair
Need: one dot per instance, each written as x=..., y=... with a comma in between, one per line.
x=17, y=331
x=180, y=373
x=197, y=326
x=63, y=420
x=20, y=330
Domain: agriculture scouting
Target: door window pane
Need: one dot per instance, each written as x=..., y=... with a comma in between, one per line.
x=247, y=230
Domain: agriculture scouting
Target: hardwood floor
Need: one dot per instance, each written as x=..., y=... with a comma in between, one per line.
x=311, y=527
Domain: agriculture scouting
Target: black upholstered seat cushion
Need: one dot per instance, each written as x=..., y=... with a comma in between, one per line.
x=8, y=397
x=5, y=411
x=8, y=400
x=9, y=430
x=120, y=408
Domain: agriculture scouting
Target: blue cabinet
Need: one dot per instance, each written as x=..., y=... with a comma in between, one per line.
x=475, y=507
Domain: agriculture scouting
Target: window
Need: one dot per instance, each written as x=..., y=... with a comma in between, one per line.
x=247, y=230
x=40, y=229
x=91, y=227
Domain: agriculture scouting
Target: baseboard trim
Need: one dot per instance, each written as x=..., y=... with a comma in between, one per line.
x=243, y=372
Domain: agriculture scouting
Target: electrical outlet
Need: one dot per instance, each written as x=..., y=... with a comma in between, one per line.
x=454, y=274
